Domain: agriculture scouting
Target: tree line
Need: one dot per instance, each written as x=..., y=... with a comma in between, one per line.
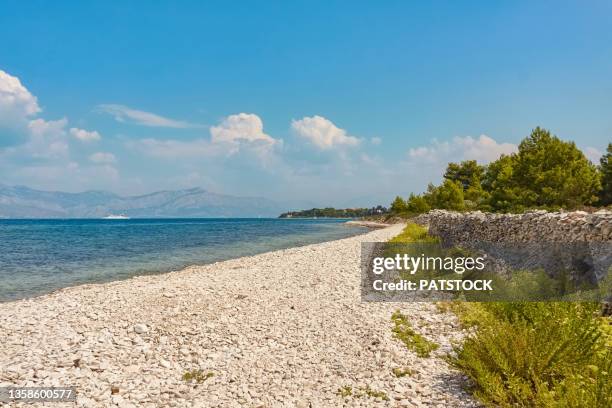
x=545, y=173
x=330, y=212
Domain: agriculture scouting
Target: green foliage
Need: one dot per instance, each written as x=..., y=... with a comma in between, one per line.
x=335, y=213
x=498, y=182
x=413, y=233
x=531, y=354
x=448, y=196
x=605, y=165
x=406, y=334
x=402, y=372
x=536, y=354
x=347, y=391
x=468, y=173
x=417, y=204
x=545, y=173
x=375, y=394
x=198, y=376
x=398, y=206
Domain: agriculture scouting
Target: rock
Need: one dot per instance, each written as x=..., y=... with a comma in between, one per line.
x=298, y=336
x=141, y=328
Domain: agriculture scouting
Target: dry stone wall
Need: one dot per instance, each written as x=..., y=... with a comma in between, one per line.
x=577, y=241
x=576, y=226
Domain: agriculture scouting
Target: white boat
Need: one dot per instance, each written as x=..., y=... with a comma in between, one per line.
x=117, y=217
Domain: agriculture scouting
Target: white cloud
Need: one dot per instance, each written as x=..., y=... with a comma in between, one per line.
x=123, y=113
x=33, y=137
x=47, y=139
x=41, y=127
x=322, y=133
x=483, y=149
x=376, y=141
x=242, y=129
x=102, y=157
x=592, y=154
x=17, y=104
x=235, y=133
x=85, y=135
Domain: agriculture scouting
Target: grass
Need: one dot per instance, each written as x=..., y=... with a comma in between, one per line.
x=406, y=334
x=347, y=391
x=529, y=354
x=198, y=376
x=402, y=372
x=414, y=233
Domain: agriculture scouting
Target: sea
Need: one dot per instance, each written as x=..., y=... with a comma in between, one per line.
x=40, y=256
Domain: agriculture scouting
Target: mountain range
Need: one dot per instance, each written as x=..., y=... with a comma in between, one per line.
x=24, y=202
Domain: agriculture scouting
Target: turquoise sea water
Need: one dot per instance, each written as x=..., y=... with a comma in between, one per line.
x=39, y=256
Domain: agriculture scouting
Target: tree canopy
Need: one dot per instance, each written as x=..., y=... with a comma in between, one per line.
x=546, y=172
x=605, y=165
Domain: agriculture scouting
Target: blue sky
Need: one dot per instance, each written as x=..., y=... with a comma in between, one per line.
x=333, y=102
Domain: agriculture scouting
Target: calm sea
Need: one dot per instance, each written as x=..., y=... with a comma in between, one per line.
x=39, y=256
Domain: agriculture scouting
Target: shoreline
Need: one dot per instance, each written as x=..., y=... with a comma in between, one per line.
x=282, y=327
x=181, y=268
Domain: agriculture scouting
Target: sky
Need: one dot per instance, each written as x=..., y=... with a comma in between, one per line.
x=343, y=103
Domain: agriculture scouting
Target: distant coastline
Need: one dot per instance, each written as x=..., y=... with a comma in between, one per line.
x=330, y=212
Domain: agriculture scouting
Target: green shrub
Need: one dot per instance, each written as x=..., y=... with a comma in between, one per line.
x=537, y=355
x=413, y=233
x=406, y=334
x=198, y=376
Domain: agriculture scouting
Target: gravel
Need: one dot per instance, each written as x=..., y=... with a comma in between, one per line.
x=280, y=329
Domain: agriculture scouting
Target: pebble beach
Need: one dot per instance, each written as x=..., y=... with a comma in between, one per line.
x=280, y=329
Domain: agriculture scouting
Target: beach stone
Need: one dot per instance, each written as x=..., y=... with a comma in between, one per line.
x=141, y=328
x=278, y=329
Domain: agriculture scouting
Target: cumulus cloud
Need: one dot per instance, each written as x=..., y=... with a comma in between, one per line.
x=123, y=113
x=241, y=132
x=85, y=135
x=102, y=157
x=322, y=133
x=32, y=140
x=47, y=139
x=483, y=149
x=243, y=128
x=17, y=104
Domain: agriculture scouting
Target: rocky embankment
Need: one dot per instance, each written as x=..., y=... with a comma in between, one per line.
x=577, y=242
x=528, y=227
x=280, y=329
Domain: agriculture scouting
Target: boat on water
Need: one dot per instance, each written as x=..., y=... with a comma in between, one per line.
x=116, y=217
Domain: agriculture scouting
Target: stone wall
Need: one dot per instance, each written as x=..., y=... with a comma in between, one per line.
x=577, y=226
x=577, y=241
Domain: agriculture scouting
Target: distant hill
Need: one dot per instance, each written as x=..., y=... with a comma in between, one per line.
x=24, y=202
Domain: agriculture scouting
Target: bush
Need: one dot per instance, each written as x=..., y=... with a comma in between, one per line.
x=417, y=204
x=406, y=334
x=537, y=355
x=448, y=196
x=398, y=206
x=413, y=233
x=529, y=354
